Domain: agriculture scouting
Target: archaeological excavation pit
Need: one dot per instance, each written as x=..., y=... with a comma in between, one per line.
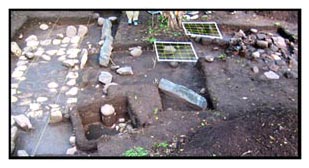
x=92, y=125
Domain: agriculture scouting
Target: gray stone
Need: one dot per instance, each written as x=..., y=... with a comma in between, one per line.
x=31, y=38
x=271, y=75
x=72, y=92
x=242, y=33
x=43, y=26
x=115, y=67
x=23, y=121
x=72, y=140
x=106, y=51
x=22, y=153
x=261, y=36
x=52, y=85
x=33, y=44
x=107, y=110
x=255, y=54
x=71, y=82
x=29, y=55
x=254, y=30
x=136, y=52
x=279, y=42
x=56, y=41
x=100, y=21
x=15, y=49
x=46, y=57
x=105, y=77
x=274, y=48
x=71, y=151
x=173, y=64
x=255, y=69
x=71, y=31
x=82, y=30
x=182, y=93
x=17, y=74
x=112, y=18
x=262, y=43
x=209, y=58
x=84, y=59
x=106, y=29
x=55, y=116
x=275, y=57
x=125, y=71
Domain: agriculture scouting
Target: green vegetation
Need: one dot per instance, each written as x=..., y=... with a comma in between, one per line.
x=162, y=145
x=136, y=152
x=222, y=57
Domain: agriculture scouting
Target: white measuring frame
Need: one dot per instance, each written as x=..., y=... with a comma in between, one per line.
x=199, y=35
x=175, y=60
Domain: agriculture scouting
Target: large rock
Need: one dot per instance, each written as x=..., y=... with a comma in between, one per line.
x=107, y=110
x=55, y=116
x=125, y=71
x=106, y=29
x=71, y=151
x=72, y=92
x=182, y=93
x=84, y=58
x=262, y=43
x=23, y=121
x=100, y=21
x=43, y=26
x=271, y=75
x=279, y=42
x=31, y=38
x=105, y=77
x=136, y=51
x=15, y=49
x=82, y=30
x=71, y=31
x=106, y=51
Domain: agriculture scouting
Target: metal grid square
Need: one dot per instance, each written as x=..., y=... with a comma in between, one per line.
x=202, y=29
x=184, y=51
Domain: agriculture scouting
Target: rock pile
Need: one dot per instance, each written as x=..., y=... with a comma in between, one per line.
x=277, y=53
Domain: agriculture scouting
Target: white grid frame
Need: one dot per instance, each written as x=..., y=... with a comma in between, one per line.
x=198, y=35
x=175, y=60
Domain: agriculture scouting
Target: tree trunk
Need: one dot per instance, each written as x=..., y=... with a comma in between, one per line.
x=174, y=19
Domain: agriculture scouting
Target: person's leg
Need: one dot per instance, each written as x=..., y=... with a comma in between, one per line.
x=135, y=17
x=130, y=16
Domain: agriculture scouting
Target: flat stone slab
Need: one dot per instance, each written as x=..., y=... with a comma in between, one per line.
x=183, y=93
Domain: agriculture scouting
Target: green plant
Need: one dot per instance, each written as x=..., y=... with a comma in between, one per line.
x=151, y=39
x=222, y=56
x=163, y=22
x=136, y=152
x=162, y=144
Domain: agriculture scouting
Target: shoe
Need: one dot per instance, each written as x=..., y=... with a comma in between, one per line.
x=135, y=22
x=129, y=22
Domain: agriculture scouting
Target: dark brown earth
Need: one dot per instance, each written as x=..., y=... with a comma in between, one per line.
x=248, y=115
